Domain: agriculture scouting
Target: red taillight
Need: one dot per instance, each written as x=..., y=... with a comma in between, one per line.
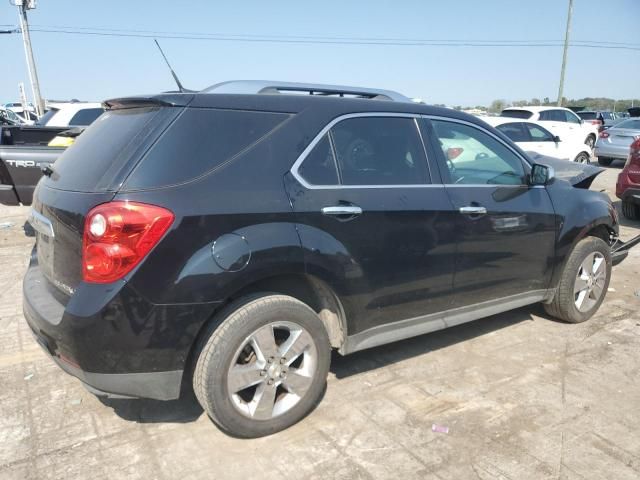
x=117, y=236
x=604, y=134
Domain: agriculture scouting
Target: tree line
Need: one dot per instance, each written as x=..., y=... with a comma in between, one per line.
x=589, y=103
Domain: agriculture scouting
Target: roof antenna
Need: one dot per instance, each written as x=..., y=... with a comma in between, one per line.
x=175, y=77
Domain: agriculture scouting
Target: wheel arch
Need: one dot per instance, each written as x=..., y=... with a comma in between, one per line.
x=309, y=289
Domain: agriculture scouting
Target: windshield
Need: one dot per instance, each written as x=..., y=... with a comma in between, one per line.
x=633, y=124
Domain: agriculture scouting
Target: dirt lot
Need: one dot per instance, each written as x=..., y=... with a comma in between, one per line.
x=524, y=397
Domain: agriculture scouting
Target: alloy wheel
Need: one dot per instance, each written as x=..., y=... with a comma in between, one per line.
x=590, y=281
x=272, y=370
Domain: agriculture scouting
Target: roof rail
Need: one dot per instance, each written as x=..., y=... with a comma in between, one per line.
x=268, y=87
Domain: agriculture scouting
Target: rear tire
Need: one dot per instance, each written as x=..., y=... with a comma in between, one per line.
x=590, y=141
x=583, y=283
x=262, y=366
x=630, y=210
x=605, y=161
x=582, y=157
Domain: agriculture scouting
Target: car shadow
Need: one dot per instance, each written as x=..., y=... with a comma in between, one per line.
x=185, y=409
x=385, y=355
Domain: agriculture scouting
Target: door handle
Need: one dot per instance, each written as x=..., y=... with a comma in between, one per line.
x=342, y=210
x=473, y=210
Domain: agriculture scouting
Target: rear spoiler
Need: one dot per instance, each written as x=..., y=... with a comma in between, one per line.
x=166, y=100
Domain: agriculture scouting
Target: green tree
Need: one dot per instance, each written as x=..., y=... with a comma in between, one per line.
x=497, y=106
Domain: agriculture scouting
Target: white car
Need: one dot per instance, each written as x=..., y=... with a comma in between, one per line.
x=561, y=121
x=536, y=140
x=76, y=114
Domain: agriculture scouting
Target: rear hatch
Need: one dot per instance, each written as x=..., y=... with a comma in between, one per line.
x=89, y=173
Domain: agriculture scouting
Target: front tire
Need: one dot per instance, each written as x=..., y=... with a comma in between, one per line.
x=584, y=282
x=582, y=157
x=262, y=366
x=605, y=161
x=630, y=210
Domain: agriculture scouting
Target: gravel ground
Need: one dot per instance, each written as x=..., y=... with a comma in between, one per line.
x=523, y=397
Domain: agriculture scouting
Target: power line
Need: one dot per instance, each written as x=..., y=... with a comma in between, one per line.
x=337, y=40
x=324, y=37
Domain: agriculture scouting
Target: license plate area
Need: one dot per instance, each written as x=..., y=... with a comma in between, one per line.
x=45, y=249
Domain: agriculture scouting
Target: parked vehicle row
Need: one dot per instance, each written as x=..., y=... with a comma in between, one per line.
x=229, y=239
x=539, y=142
x=561, y=121
x=614, y=143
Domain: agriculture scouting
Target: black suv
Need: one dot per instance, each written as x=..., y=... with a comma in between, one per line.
x=230, y=240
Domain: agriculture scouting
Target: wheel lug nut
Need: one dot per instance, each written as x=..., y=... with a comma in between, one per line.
x=270, y=381
x=283, y=360
x=263, y=373
x=271, y=359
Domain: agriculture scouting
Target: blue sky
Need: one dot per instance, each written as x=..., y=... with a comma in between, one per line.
x=96, y=67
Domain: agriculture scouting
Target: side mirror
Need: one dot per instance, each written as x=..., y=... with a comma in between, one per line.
x=556, y=139
x=541, y=175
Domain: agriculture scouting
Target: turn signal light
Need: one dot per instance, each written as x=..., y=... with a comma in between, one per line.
x=118, y=235
x=604, y=134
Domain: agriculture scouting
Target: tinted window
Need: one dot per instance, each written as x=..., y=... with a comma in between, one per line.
x=475, y=157
x=86, y=116
x=515, y=131
x=606, y=115
x=197, y=142
x=319, y=167
x=570, y=116
x=587, y=115
x=380, y=151
x=524, y=114
x=539, y=134
x=101, y=148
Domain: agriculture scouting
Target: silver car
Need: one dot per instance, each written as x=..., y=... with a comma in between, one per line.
x=613, y=143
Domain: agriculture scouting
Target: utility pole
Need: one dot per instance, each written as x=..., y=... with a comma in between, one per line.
x=564, y=53
x=23, y=6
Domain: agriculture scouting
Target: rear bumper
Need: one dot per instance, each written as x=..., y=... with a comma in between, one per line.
x=620, y=152
x=110, y=338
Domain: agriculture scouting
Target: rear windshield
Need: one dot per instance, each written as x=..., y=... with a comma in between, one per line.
x=86, y=116
x=100, y=153
x=198, y=141
x=47, y=116
x=587, y=115
x=524, y=114
x=631, y=124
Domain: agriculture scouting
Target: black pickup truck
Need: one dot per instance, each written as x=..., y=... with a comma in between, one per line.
x=23, y=154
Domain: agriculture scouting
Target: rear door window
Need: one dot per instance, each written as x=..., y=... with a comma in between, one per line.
x=319, y=167
x=200, y=140
x=380, y=151
x=515, y=131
